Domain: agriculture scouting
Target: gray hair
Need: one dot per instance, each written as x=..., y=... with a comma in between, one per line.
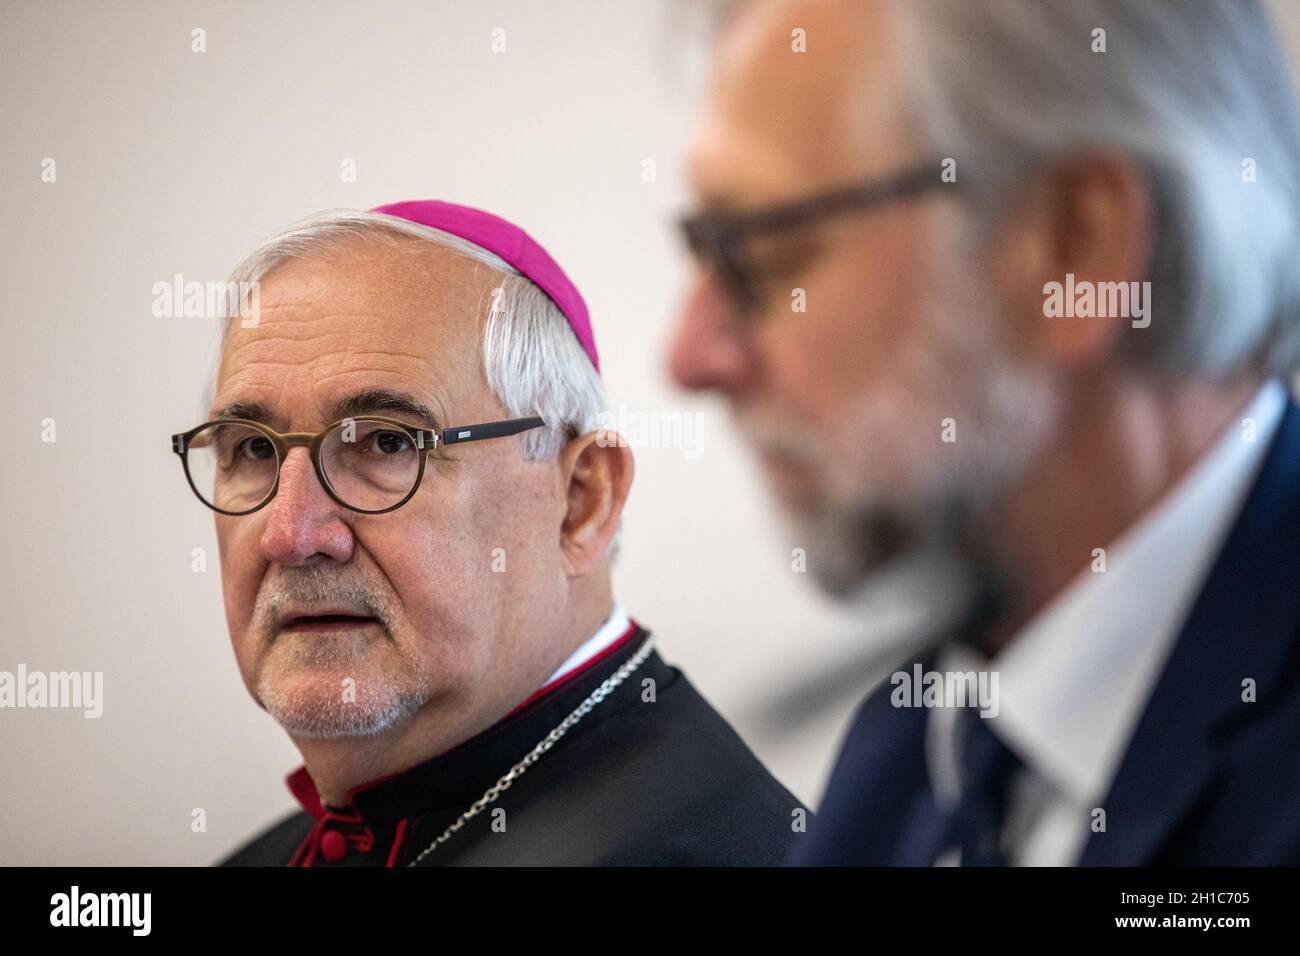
x=533, y=360
x=1192, y=90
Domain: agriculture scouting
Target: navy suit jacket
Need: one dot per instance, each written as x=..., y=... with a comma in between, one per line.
x=1207, y=779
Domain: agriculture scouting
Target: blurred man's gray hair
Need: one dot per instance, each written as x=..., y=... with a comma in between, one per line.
x=1197, y=92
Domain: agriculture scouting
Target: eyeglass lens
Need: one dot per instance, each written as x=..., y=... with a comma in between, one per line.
x=369, y=465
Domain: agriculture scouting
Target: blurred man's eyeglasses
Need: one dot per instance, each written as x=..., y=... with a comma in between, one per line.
x=368, y=464
x=719, y=239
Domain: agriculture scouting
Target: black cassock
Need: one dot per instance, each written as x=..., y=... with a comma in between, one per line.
x=651, y=776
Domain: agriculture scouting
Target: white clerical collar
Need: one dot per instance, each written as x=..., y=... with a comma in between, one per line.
x=615, y=627
x=1074, y=682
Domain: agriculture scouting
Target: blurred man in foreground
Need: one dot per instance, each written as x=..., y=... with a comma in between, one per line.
x=1015, y=286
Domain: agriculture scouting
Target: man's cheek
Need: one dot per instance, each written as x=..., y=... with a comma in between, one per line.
x=239, y=587
x=804, y=367
x=227, y=534
x=238, y=621
x=423, y=572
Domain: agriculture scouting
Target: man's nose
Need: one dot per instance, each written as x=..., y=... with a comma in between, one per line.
x=707, y=351
x=302, y=519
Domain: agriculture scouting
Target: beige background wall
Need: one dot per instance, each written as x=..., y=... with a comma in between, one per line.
x=173, y=161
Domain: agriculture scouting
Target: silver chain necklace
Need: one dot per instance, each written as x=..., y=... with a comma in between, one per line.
x=550, y=740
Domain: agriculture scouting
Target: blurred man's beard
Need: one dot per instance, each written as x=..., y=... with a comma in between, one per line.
x=345, y=683
x=846, y=544
x=884, y=485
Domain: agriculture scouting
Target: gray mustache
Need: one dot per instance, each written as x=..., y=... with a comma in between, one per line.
x=296, y=586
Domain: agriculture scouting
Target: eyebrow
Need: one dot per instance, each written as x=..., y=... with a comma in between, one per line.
x=371, y=401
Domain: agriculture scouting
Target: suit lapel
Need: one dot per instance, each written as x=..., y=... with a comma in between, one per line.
x=1242, y=626
x=878, y=809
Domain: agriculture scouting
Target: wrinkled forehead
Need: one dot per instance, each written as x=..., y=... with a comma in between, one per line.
x=375, y=314
x=806, y=92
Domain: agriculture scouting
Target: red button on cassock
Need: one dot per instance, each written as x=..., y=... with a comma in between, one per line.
x=333, y=845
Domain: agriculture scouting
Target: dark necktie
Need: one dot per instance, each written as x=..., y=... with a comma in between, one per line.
x=975, y=823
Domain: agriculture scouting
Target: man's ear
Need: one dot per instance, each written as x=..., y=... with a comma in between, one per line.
x=597, y=469
x=1089, y=215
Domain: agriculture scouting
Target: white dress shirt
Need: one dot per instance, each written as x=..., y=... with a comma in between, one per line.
x=1073, y=684
x=615, y=626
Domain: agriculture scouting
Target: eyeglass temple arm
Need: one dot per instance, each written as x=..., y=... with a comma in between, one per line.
x=848, y=198
x=463, y=433
x=181, y=443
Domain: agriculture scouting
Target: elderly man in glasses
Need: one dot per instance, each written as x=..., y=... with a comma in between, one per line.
x=1006, y=296
x=415, y=512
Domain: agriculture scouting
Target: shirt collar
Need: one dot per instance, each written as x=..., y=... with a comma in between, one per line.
x=615, y=627
x=457, y=777
x=1072, y=685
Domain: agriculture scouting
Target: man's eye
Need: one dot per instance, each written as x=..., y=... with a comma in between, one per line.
x=390, y=443
x=256, y=449
x=785, y=259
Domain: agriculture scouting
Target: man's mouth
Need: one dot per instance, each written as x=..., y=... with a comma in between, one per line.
x=311, y=623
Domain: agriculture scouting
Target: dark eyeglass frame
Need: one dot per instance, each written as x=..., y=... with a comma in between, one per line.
x=718, y=238
x=425, y=440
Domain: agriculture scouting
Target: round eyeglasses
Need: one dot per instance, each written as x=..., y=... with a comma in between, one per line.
x=369, y=464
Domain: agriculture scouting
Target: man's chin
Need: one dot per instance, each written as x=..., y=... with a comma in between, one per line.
x=327, y=720
x=846, y=547
x=323, y=703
